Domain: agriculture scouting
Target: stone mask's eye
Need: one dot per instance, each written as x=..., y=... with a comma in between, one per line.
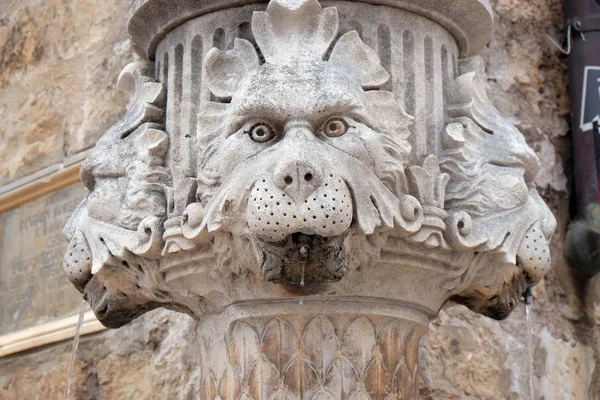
x=261, y=133
x=335, y=127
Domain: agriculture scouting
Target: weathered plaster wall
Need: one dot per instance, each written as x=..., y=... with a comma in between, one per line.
x=59, y=61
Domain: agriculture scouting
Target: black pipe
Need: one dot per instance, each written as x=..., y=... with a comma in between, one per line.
x=596, y=134
x=583, y=40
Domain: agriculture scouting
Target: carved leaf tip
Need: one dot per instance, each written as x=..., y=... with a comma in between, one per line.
x=226, y=70
x=294, y=28
x=428, y=182
x=350, y=50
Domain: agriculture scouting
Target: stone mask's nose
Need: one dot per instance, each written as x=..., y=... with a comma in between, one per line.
x=298, y=175
x=298, y=178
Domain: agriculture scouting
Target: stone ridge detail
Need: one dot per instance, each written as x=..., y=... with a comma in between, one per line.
x=469, y=21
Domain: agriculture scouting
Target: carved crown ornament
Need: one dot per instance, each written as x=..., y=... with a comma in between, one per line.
x=340, y=157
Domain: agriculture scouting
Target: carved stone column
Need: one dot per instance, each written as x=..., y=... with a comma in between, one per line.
x=317, y=348
x=312, y=183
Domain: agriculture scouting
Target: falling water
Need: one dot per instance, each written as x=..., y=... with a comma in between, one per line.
x=528, y=312
x=302, y=275
x=73, y=354
x=303, y=257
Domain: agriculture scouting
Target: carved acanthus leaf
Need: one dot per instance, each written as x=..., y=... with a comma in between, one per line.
x=351, y=51
x=428, y=184
x=359, y=358
x=289, y=29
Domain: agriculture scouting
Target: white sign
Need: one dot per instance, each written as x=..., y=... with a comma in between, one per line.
x=590, y=102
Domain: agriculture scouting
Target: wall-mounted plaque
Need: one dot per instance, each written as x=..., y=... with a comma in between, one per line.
x=33, y=287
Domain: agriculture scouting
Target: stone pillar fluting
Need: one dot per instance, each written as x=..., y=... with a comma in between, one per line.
x=418, y=54
x=312, y=183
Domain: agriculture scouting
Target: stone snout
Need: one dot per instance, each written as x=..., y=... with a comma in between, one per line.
x=301, y=215
x=304, y=195
x=298, y=178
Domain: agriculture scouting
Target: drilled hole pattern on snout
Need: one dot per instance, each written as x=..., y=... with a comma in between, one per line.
x=78, y=261
x=533, y=253
x=273, y=215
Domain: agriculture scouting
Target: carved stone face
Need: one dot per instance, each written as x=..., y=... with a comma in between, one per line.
x=301, y=147
x=302, y=158
x=302, y=155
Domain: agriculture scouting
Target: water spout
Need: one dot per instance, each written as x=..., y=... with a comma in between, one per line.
x=74, y=352
x=528, y=312
x=303, y=249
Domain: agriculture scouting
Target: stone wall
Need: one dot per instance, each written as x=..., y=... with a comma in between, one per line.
x=59, y=61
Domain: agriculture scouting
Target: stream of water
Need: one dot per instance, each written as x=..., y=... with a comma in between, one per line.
x=303, y=258
x=528, y=313
x=74, y=353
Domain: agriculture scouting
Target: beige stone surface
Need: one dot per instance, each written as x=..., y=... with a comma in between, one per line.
x=152, y=358
x=60, y=99
x=469, y=357
x=59, y=63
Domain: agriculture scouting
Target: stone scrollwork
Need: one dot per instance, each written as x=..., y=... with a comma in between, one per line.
x=428, y=184
x=302, y=158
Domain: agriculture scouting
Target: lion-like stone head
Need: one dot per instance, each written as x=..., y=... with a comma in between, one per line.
x=308, y=152
x=300, y=162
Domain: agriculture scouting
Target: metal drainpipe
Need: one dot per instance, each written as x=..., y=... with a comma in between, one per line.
x=583, y=45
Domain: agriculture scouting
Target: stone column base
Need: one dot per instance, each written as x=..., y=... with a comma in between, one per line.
x=323, y=348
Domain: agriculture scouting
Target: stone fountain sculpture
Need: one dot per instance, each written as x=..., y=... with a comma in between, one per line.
x=312, y=183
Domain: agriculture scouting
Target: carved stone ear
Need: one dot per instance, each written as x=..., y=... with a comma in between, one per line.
x=152, y=145
x=226, y=70
x=389, y=114
x=212, y=117
x=350, y=50
x=294, y=27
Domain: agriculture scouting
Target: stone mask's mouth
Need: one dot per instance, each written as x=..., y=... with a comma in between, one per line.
x=302, y=259
x=505, y=297
x=115, y=298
